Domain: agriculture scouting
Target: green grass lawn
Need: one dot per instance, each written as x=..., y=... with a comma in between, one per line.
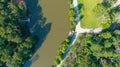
x=89, y=19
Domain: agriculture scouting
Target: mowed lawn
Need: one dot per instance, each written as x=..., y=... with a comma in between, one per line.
x=89, y=19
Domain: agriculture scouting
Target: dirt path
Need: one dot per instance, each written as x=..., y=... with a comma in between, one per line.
x=117, y=3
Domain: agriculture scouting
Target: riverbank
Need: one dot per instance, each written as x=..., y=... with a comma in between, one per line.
x=79, y=30
x=55, y=27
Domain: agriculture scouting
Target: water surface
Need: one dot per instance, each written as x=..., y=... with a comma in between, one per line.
x=57, y=21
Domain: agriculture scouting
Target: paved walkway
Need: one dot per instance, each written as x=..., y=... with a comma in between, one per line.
x=117, y=3
x=78, y=30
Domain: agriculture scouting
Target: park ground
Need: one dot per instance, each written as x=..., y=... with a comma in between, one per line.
x=88, y=18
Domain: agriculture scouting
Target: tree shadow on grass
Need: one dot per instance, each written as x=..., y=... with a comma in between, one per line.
x=81, y=17
x=80, y=6
x=78, y=15
x=37, y=26
x=115, y=26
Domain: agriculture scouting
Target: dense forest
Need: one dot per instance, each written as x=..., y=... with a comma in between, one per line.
x=95, y=50
x=16, y=42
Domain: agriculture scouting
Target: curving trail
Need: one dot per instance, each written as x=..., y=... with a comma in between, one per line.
x=117, y=3
x=78, y=30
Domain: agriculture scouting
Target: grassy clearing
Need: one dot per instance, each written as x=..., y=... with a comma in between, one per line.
x=89, y=19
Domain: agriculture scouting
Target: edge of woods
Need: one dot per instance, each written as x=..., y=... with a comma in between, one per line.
x=63, y=47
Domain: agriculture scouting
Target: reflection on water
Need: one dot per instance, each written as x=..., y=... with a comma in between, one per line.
x=37, y=22
x=50, y=23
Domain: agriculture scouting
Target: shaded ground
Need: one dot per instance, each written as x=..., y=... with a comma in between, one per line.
x=115, y=26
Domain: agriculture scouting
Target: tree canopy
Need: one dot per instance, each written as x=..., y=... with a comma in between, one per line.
x=96, y=50
x=16, y=42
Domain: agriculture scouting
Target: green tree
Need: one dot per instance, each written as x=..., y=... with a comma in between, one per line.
x=16, y=43
x=106, y=35
x=108, y=3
